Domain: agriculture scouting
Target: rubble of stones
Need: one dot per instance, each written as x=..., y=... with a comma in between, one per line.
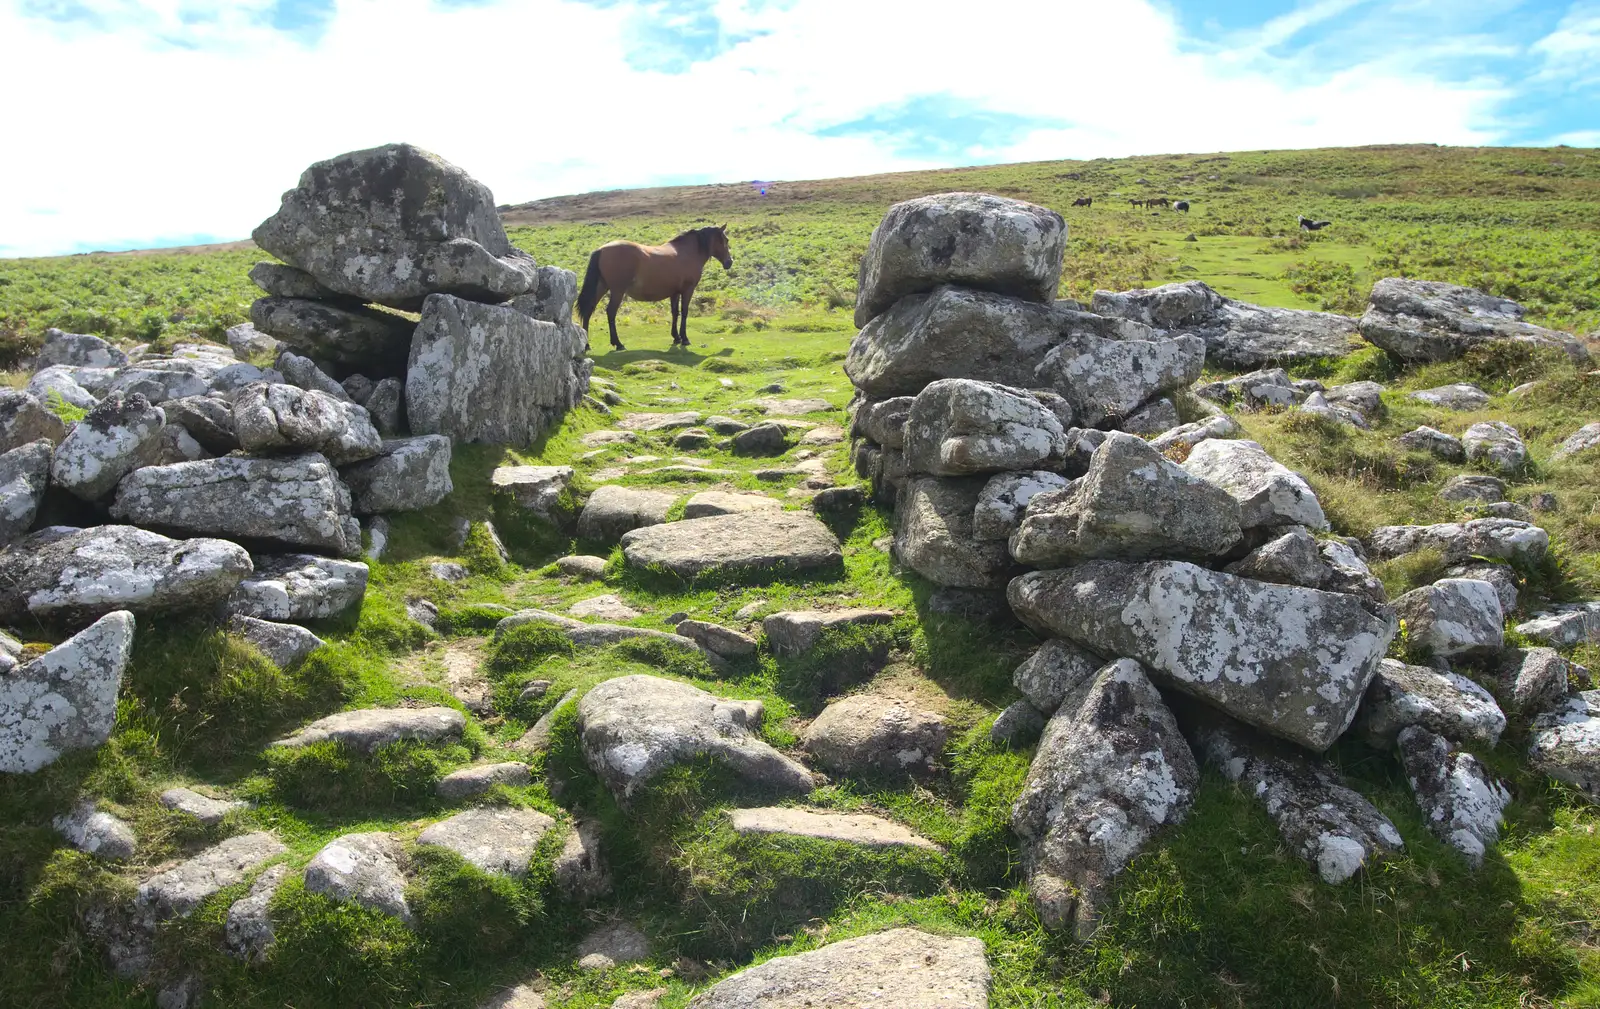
x=1193, y=603
x=1046, y=461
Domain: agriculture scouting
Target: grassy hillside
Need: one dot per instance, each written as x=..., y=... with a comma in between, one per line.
x=1217, y=914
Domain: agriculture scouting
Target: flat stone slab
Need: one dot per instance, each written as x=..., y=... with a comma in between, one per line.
x=470, y=781
x=790, y=407
x=716, y=502
x=248, y=932
x=856, y=828
x=725, y=641
x=207, y=810
x=793, y=632
x=905, y=968
x=66, y=699
x=361, y=869
x=658, y=421
x=612, y=511
x=595, y=635
x=498, y=840
x=176, y=892
x=369, y=728
x=299, y=587
x=606, y=607
x=788, y=542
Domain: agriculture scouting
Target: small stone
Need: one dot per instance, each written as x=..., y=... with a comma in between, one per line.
x=1054, y=672
x=763, y=439
x=725, y=641
x=1534, y=680
x=1453, y=616
x=362, y=869
x=1019, y=725
x=497, y=840
x=471, y=781
x=248, y=932
x=612, y=945
x=1460, y=396
x=582, y=566
x=1436, y=443
x=91, y=829
x=367, y=729
x=597, y=439
x=1582, y=440
x=1504, y=579
x=793, y=632
x=607, y=607
x=1498, y=445
x=726, y=425
x=207, y=810
x=535, y=690
x=521, y=997
x=1460, y=802
x=377, y=528
x=1290, y=559
x=1477, y=487
x=449, y=571
x=1447, y=703
x=537, y=489
x=691, y=439
x=658, y=421
x=870, y=734
x=422, y=611
x=580, y=873
x=853, y=828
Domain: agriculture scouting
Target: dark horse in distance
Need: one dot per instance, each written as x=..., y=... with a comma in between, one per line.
x=652, y=273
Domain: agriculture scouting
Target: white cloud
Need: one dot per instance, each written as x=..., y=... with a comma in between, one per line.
x=133, y=139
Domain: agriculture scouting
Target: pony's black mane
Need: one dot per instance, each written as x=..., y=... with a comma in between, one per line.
x=695, y=232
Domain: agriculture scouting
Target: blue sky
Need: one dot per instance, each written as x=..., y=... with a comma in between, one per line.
x=150, y=122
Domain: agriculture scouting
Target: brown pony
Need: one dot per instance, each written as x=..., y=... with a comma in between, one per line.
x=652, y=273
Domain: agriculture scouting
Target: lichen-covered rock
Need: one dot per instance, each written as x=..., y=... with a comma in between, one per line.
x=1453, y=616
x=1473, y=487
x=495, y=839
x=387, y=405
x=551, y=296
x=287, y=282
x=613, y=510
x=1290, y=559
x=1293, y=661
x=248, y=933
x=934, y=534
x=1581, y=440
x=487, y=373
x=1424, y=320
x=285, y=418
x=1497, y=444
x=1153, y=418
x=973, y=239
x=24, y=477
x=298, y=587
x=63, y=381
x=1564, y=743
x=580, y=871
x=1460, y=396
x=1054, y=672
x=24, y=419
x=1269, y=493
x=769, y=542
x=1494, y=538
x=362, y=869
x=1436, y=443
x=246, y=341
x=76, y=575
x=1534, y=680
x=903, y=967
x=366, y=729
x=393, y=225
x=203, y=808
x=1020, y=724
x=1186, y=436
x=303, y=373
x=1111, y=771
x=793, y=632
x=634, y=727
x=1568, y=624
x=958, y=427
x=298, y=501
x=882, y=421
x=284, y=644
x=1459, y=800
x=1237, y=334
x=79, y=350
x=867, y=734
x=1324, y=821
x=1004, y=500
x=105, y=445
x=1107, y=380
x=1347, y=571
x=178, y=891
x=1448, y=703
x=535, y=489
x=94, y=831
x=348, y=336
x=407, y=474
x=1133, y=503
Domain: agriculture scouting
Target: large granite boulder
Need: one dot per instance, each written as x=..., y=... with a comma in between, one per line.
x=298, y=587
x=208, y=419
x=24, y=419
x=24, y=476
x=1290, y=660
x=287, y=282
x=76, y=575
x=284, y=418
x=1004, y=501
x=79, y=350
x=1111, y=771
x=1237, y=334
x=1424, y=320
x=972, y=239
x=407, y=474
x=105, y=445
x=350, y=337
x=1107, y=380
x=934, y=534
x=66, y=699
x=902, y=967
x=762, y=542
x=1564, y=743
x=1133, y=503
x=1454, y=616
x=551, y=296
x=958, y=332
x=634, y=727
x=1402, y=695
x=393, y=225
x=1327, y=823
x=488, y=373
x=958, y=427
x=613, y=510
x=1495, y=538
x=1268, y=492
x=1496, y=444
x=298, y=501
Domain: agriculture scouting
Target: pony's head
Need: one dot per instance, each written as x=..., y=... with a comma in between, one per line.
x=714, y=243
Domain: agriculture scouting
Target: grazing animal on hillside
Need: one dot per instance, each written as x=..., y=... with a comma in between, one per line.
x=1182, y=205
x=1307, y=224
x=652, y=273
x=1083, y=201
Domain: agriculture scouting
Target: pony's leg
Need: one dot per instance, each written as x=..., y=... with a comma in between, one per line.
x=683, y=325
x=612, y=305
x=674, y=321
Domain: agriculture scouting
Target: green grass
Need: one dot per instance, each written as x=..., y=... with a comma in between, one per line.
x=1217, y=914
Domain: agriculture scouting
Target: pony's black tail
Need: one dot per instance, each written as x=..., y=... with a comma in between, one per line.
x=589, y=297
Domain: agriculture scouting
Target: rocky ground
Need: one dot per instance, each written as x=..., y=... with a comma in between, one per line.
x=715, y=674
